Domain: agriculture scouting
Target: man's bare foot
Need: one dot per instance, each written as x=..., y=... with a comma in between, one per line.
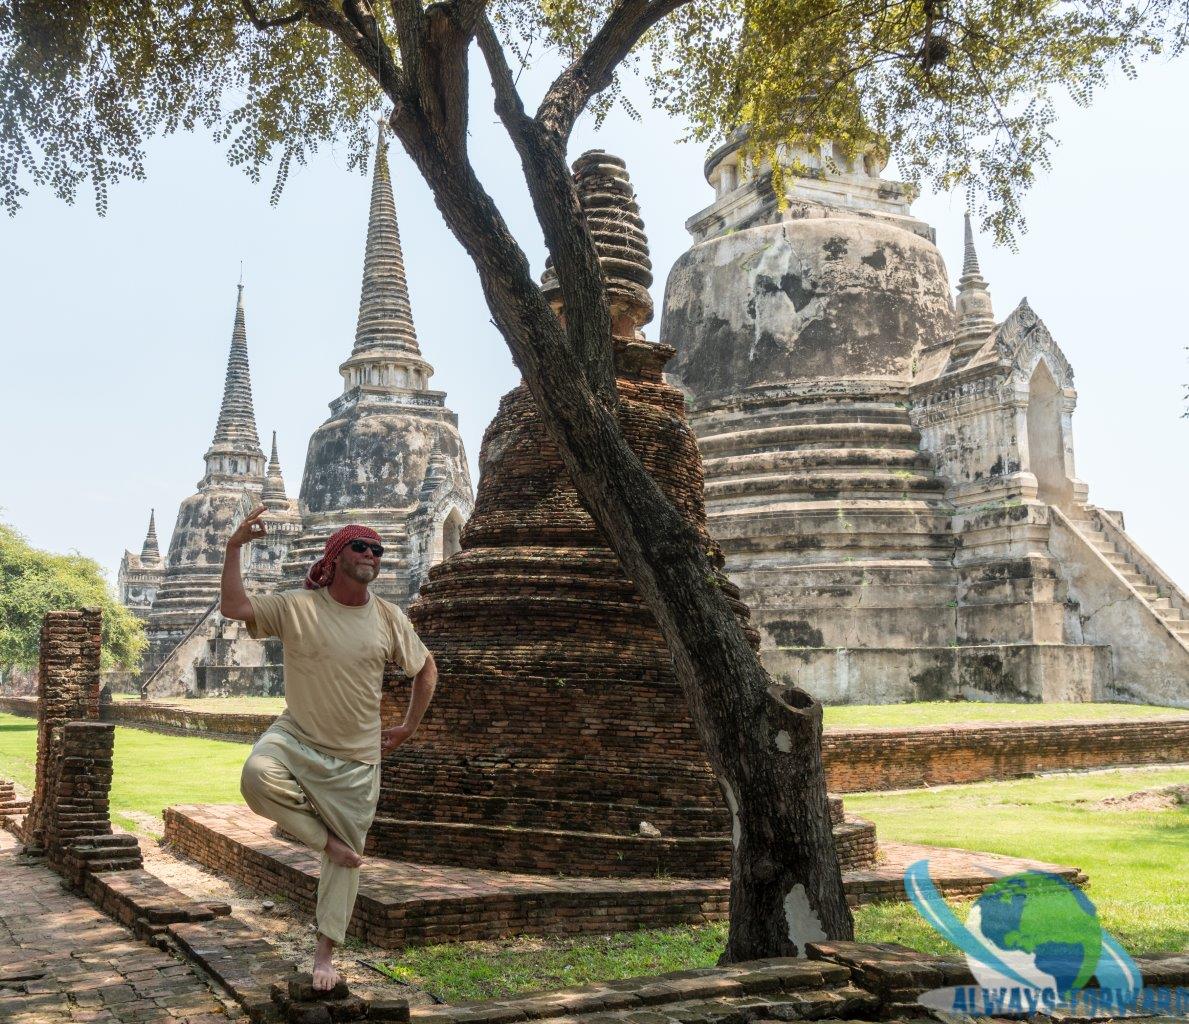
x=341, y=853
x=325, y=976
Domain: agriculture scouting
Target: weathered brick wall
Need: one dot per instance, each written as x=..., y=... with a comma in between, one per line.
x=873, y=759
x=67, y=690
x=11, y=805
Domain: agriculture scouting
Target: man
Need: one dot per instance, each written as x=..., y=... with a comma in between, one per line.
x=316, y=771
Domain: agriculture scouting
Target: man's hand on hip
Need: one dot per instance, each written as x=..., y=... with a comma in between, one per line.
x=392, y=738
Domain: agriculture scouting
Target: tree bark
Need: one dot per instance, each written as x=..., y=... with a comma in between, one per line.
x=763, y=741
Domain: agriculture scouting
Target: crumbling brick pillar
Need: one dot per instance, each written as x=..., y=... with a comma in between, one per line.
x=67, y=691
x=69, y=818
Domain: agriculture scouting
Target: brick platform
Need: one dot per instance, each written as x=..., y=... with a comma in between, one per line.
x=403, y=904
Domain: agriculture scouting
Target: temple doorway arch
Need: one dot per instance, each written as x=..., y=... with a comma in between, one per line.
x=1046, y=437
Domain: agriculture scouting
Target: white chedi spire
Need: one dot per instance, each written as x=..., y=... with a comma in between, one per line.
x=386, y=356
x=976, y=315
x=235, y=449
x=150, y=553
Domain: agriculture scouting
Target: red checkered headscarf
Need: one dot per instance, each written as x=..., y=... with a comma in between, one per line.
x=322, y=571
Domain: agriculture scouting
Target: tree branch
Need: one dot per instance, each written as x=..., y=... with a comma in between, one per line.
x=508, y=104
x=370, y=49
x=262, y=23
x=592, y=71
x=555, y=201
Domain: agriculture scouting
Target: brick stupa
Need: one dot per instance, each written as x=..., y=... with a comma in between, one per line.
x=559, y=740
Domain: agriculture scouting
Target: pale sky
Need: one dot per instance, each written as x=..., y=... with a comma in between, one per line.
x=115, y=330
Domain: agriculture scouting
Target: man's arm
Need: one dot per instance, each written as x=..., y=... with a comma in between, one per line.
x=424, y=684
x=233, y=599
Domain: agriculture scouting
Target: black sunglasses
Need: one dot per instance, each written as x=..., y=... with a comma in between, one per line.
x=362, y=545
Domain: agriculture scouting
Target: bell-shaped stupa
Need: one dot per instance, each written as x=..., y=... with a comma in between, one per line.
x=559, y=739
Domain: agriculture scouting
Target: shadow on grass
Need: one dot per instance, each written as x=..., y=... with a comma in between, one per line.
x=29, y=726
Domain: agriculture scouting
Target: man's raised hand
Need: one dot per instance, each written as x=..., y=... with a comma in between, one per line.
x=250, y=529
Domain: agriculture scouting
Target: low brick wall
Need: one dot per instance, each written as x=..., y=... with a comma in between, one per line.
x=182, y=721
x=26, y=707
x=872, y=759
x=164, y=718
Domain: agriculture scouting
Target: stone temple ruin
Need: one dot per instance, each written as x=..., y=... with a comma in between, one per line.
x=99, y=936
x=889, y=472
x=560, y=740
x=390, y=454
x=891, y=478
x=557, y=784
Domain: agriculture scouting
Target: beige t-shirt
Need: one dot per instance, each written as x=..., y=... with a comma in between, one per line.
x=334, y=665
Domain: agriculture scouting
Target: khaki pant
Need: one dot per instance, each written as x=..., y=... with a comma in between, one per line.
x=307, y=792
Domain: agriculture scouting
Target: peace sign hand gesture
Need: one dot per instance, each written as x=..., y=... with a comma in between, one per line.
x=250, y=529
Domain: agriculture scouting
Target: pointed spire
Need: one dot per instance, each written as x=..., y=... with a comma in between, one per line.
x=970, y=257
x=976, y=316
x=236, y=429
x=436, y=470
x=274, y=483
x=385, y=315
x=150, y=553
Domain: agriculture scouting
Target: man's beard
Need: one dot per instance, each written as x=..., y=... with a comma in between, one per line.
x=361, y=572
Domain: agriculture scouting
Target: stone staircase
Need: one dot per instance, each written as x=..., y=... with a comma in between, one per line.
x=1155, y=589
x=832, y=520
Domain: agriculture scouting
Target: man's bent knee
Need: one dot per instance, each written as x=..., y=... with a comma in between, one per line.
x=254, y=781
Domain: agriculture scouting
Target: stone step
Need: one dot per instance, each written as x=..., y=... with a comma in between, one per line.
x=809, y=435
x=776, y=989
x=494, y=845
x=782, y=461
x=576, y=815
x=833, y=482
x=860, y=413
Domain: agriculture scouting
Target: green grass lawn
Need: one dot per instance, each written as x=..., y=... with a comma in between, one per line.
x=151, y=771
x=900, y=716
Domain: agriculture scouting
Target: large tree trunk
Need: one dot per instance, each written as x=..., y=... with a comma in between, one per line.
x=763, y=741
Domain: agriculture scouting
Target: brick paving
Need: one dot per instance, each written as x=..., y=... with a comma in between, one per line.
x=62, y=960
x=402, y=903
